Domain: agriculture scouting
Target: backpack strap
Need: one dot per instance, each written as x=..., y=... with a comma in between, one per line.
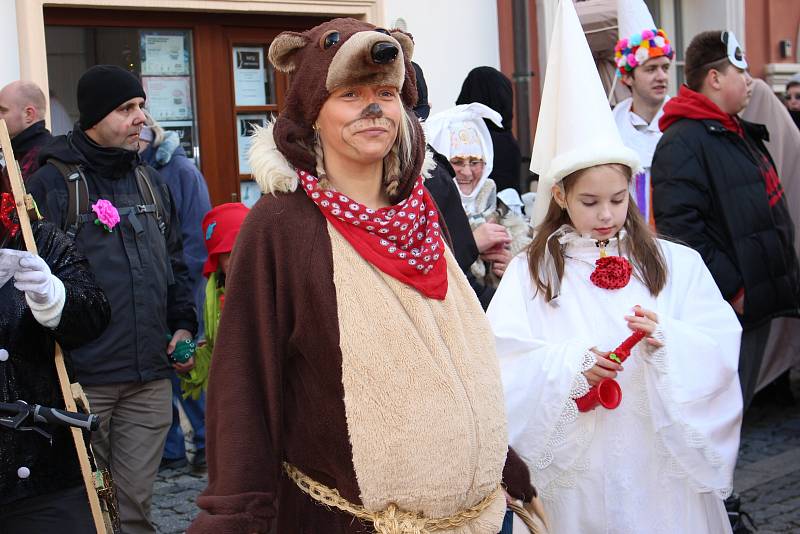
x=149, y=196
x=155, y=200
x=78, y=195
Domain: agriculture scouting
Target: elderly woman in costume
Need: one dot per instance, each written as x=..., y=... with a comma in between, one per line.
x=460, y=134
x=43, y=300
x=354, y=386
x=488, y=86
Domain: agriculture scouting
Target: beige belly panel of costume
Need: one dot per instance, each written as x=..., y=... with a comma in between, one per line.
x=423, y=395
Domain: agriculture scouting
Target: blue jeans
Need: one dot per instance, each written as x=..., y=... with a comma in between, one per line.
x=195, y=410
x=508, y=523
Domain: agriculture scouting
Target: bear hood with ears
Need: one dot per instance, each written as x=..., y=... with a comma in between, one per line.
x=337, y=53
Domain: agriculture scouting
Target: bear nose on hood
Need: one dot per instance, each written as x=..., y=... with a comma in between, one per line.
x=367, y=58
x=383, y=52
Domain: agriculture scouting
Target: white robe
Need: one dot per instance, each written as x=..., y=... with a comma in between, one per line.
x=663, y=461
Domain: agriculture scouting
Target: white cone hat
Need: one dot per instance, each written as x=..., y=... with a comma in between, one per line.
x=576, y=129
x=633, y=17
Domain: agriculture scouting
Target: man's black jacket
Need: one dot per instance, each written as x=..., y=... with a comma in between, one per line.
x=709, y=192
x=140, y=270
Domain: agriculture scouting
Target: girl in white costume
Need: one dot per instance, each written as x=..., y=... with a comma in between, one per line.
x=663, y=460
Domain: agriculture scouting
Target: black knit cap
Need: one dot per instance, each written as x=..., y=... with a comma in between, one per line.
x=102, y=89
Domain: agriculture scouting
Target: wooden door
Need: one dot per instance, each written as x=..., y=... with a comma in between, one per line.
x=215, y=37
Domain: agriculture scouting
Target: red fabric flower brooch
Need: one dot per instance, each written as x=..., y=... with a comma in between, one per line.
x=611, y=272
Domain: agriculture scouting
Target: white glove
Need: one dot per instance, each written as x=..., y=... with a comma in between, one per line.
x=34, y=278
x=44, y=292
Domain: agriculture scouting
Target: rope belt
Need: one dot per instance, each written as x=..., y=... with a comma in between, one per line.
x=389, y=521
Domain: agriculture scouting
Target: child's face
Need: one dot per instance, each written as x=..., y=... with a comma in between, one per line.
x=597, y=202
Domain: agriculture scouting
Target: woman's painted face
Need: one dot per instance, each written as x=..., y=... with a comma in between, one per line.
x=360, y=123
x=468, y=172
x=597, y=203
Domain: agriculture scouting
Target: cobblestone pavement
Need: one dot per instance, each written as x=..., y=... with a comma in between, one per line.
x=768, y=471
x=767, y=474
x=175, y=498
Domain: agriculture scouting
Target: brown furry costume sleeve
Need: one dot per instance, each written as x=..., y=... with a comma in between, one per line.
x=245, y=380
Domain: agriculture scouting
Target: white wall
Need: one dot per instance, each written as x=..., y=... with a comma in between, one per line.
x=451, y=37
x=9, y=46
x=705, y=15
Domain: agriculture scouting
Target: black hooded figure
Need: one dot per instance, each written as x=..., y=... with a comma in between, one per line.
x=443, y=188
x=492, y=88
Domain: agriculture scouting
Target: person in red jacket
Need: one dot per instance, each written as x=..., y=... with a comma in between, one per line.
x=715, y=188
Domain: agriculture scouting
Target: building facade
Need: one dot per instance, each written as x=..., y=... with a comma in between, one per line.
x=203, y=62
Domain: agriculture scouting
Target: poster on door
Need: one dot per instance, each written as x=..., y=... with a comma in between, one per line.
x=245, y=126
x=169, y=98
x=184, y=130
x=164, y=55
x=249, y=78
x=249, y=193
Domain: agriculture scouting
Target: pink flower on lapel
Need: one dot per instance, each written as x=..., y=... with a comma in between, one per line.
x=107, y=214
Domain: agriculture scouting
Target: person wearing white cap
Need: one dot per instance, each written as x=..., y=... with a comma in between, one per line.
x=657, y=454
x=643, y=56
x=461, y=135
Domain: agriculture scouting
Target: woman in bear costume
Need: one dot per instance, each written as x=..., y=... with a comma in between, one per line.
x=354, y=386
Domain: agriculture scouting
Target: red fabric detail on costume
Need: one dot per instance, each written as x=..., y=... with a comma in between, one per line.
x=693, y=105
x=771, y=181
x=612, y=272
x=739, y=294
x=404, y=240
x=7, y=207
x=29, y=163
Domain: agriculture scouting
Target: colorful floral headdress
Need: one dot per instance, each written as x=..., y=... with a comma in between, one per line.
x=638, y=48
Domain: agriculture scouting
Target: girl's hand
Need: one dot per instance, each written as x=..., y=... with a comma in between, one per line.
x=604, y=368
x=645, y=321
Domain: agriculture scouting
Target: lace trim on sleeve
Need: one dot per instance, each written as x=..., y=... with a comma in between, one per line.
x=658, y=359
x=580, y=387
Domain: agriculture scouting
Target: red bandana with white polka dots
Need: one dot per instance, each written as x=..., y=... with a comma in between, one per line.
x=404, y=240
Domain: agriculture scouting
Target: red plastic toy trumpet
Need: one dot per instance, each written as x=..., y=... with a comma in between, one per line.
x=607, y=392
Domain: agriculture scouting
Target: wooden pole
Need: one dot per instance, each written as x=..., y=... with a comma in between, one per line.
x=23, y=203
x=613, y=86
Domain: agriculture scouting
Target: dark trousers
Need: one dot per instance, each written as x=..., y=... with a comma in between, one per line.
x=62, y=512
x=754, y=341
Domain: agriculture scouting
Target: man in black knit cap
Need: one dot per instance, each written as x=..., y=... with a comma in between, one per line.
x=119, y=212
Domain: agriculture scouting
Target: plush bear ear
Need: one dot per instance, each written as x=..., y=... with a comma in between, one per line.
x=406, y=42
x=283, y=50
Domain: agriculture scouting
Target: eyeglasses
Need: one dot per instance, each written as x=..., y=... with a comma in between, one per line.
x=474, y=164
x=793, y=96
